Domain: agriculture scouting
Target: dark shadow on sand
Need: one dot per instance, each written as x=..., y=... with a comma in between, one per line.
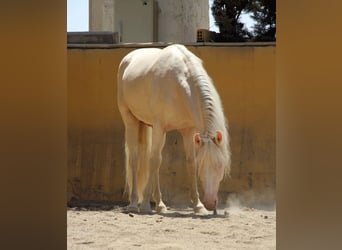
x=95, y=206
x=121, y=207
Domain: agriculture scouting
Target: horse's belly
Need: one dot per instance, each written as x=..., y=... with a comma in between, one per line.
x=168, y=116
x=167, y=119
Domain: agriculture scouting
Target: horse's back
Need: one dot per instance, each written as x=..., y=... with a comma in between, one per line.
x=153, y=83
x=160, y=62
x=137, y=63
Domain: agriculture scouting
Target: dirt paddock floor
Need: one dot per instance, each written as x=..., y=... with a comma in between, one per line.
x=111, y=227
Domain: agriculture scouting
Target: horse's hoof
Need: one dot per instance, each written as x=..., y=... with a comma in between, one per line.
x=161, y=209
x=145, y=208
x=131, y=209
x=201, y=210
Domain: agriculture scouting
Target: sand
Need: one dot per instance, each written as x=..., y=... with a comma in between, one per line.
x=232, y=228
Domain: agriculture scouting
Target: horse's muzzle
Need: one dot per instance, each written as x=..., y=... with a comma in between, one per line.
x=210, y=205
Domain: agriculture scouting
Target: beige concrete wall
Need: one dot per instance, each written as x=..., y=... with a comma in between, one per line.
x=134, y=20
x=179, y=20
x=245, y=79
x=158, y=20
x=101, y=15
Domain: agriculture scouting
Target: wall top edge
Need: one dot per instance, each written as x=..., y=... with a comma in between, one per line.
x=164, y=44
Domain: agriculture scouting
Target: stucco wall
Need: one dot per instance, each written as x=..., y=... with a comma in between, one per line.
x=101, y=15
x=134, y=21
x=179, y=20
x=245, y=79
x=156, y=20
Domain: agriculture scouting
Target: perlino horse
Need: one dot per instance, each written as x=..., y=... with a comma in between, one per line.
x=160, y=90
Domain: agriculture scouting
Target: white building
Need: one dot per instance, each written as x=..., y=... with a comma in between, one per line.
x=150, y=20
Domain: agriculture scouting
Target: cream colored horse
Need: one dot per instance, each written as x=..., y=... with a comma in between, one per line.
x=160, y=90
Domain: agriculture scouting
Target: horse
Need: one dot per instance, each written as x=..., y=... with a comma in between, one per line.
x=159, y=90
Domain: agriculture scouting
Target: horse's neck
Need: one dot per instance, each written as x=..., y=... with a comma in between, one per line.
x=206, y=106
x=209, y=106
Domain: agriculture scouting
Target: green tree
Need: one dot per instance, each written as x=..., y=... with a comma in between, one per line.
x=264, y=13
x=227, y=17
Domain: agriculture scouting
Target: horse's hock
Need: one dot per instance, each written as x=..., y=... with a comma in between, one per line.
x=244, y=76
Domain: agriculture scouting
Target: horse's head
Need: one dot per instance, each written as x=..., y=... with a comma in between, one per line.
x=213, y=160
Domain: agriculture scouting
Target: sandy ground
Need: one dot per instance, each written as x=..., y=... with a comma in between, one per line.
x=231, y=228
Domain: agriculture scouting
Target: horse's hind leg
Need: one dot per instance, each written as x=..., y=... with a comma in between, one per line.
x=131, y=150
x=158, y=141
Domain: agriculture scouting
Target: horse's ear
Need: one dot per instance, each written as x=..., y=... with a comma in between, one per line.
x=197, y=139
x=218, y=137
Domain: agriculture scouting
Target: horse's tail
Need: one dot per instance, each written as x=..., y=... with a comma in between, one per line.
x=144, y=150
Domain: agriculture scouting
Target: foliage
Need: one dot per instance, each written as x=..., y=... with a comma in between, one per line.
x=264, y=13
x=227, y=15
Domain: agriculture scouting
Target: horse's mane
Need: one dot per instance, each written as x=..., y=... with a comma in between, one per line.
x=209, y=101
x=208, y=98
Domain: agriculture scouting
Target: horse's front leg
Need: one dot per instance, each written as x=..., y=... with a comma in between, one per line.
x=192, y=171
x=158, y=141
x=157, y=196
x=197, y=204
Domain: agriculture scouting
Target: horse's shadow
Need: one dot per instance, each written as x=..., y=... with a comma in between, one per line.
x=121, y=207
x=175, y=214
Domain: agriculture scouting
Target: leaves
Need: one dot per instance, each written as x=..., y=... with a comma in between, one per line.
x=227, y=17
x=264, y=13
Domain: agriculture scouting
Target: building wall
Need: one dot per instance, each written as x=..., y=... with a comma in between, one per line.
x=245, y=80
x=101, y=15
x=179, y=20
x=156, y=20
x=134, y=20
